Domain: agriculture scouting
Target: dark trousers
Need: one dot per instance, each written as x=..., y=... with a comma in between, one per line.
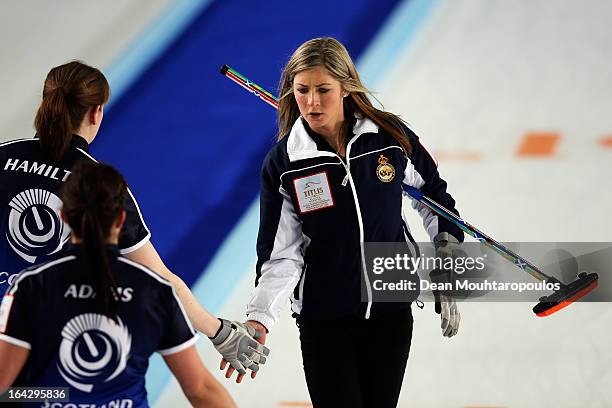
x=356, y=364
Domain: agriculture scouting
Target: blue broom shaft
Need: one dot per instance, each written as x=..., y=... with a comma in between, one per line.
x=518, y=260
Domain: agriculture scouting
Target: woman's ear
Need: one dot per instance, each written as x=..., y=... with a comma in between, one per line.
x=95, y=115
x=120, y=219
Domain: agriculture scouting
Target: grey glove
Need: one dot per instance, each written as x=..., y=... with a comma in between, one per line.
x=447, y=246
x=449, y=316
x=237, y=343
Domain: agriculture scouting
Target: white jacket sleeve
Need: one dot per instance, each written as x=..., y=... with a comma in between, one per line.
x=280, y=252
x=422, y=173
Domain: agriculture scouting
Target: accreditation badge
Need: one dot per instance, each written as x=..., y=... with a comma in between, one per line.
x=385, y=170
x=313, y=192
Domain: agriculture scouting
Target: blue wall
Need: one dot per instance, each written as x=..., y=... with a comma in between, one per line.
x=191, y=142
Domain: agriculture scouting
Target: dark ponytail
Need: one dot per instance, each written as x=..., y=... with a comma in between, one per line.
x=70, y=91
x=93, y=199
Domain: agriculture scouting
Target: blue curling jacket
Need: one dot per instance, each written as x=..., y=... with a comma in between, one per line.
x=317, y=211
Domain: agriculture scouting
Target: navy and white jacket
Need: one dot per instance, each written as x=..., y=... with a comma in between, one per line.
x=31, y=230
x=318, y=209
x=102, y=361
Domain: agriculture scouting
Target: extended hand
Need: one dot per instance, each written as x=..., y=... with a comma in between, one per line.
x=237, y=343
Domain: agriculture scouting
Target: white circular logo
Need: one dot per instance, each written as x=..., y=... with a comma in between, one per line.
x=34, y=224
x=94, y=349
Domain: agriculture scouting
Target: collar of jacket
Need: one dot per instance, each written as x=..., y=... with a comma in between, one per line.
x=76, y=141
x=79, y=142
x=75, y=249
x=301, y=146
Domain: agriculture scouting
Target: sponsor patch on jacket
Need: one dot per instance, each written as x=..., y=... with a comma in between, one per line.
x=385, y=170
x=313, y=192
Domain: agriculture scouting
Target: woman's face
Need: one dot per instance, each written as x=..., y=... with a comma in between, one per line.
x=319, y=97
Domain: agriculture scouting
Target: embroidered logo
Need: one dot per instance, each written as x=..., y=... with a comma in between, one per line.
x=313, y=192
x=34, y=224
x=385, y=170
x=94, y=350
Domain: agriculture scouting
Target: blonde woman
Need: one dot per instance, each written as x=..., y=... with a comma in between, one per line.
x=332, y=182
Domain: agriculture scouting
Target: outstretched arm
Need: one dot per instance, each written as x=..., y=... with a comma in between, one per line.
x=239, y=347
x=201, y=319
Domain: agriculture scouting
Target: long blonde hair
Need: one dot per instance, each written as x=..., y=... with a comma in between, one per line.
x=333, y=56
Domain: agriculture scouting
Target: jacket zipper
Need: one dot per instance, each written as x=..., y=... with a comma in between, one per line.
x=348, y=178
